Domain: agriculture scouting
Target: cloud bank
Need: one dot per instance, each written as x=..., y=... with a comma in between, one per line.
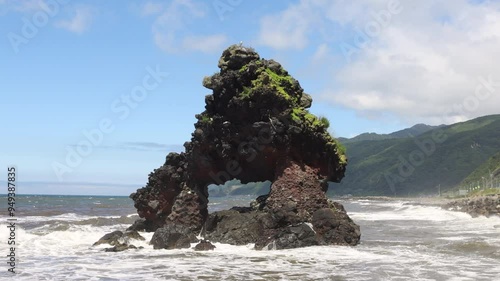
x=171, y=28
x=431, y=61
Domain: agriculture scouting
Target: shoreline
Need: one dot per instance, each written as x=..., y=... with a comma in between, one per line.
x=425, y=201
x=483, y=205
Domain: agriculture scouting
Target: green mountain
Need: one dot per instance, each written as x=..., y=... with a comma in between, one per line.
x=418, y=164
x=405, y=133
x=487, y=175
x=235, y=187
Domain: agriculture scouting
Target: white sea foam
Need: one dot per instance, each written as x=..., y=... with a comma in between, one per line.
x=68, y=217
x=401, y=211
x=402, y=242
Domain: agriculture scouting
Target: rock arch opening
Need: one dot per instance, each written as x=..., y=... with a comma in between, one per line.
x=235, y=187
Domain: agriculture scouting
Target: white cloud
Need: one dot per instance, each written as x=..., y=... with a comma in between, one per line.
x=27, y=6
x=171, y=29
x=423, y=66
x=151, y=8
x=322, y=53
x=80, y=21
x=205, y=44
x=427, y=69
x=288, y=29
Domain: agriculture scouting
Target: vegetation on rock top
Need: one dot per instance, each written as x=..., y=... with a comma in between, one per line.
x=251, y=89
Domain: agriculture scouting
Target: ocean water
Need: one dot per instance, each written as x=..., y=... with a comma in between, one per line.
x=400, y=241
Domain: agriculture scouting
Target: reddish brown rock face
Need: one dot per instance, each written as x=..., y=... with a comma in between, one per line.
x=296, y=190
x=189, y=208
x=255, y=127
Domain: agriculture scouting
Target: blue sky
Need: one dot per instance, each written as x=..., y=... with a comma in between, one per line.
x=134, y=68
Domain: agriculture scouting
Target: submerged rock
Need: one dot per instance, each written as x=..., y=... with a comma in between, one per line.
x=293, y=236
x=121, y=248
x=204, y=245
x=112, y=238
x=132, y=234
x=120, y=240
x=255, y=127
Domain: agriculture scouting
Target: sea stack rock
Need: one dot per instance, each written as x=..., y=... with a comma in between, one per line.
x=255, y=127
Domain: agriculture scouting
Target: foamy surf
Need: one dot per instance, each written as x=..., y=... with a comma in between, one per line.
x=399, y=242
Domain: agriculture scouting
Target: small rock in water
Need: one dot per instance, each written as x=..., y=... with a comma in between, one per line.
x=173, y=236
x=120, y=248
x=117, y=237
x=110, y=238
x=133, y=235
x=204, y=245
x=119, y=240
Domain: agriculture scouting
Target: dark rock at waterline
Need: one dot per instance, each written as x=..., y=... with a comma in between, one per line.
x=278, y=222
x=330, y=226
x=333, y=226
x=476, y=206
x=204, y=245
x=121, y=248
x=117, y=237
x=110, y=238
x=242, y=209
x=173, y=236
x=235, y=228
x=294, y=236
x=119, y=240
x=259, y=203
x=132, y=234
x=142, y=224
x=255, y=127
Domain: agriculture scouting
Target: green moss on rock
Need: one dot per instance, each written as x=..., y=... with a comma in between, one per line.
x=261, y=89
x=204, y=118
x=325, y=121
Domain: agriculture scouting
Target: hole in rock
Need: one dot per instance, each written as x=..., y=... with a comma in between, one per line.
x=234, y=193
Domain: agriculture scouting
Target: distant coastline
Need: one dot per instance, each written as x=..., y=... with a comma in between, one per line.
x=484, y=205
x=487, y=205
